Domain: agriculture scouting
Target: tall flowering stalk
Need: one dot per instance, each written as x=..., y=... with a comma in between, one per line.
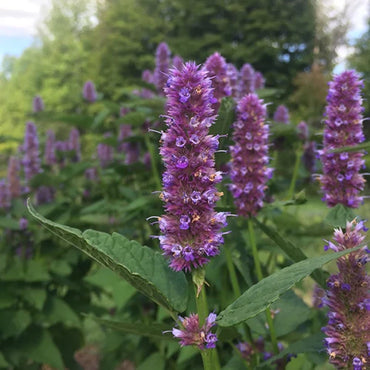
x=177, y=62
x=50, y=157
x=89, y=92
x=5, y=196
x=249, y=172
x=259, y=80
x=105, y=152
x=162, y=65
x=190, y=227
x=233, y=77
x=14, y=167
x=74, y=144
x=31, y=159
x=341, y=181
x=247, y=80
x=216, y=68
x=37, y=104
x=281, y=114
x=348, y=298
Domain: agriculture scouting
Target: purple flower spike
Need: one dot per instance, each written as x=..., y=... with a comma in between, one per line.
x=162, y=65
x=74, y=144
x=5, y=196
x=259, y=80
x=191, y=227
x=348, y=329
x=105, y=152
x=341, y=181
x=309, y=156
x=233, y=77
x=14, y=167
x=50, y=157
x=23, y=223
x=249, y=154
x=247, y=80
x=89, y=92
x=45, y=194
x=147, y=76
x=37, y=104
x=31, y=159
x=177, y=62
x=192, y=334
x=281, y=114
x=216, y=68
x=302, y=130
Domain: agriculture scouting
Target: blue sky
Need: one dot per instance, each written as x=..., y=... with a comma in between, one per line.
x=14, y=45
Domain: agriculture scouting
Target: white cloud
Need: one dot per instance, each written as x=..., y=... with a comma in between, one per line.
x=19, y=17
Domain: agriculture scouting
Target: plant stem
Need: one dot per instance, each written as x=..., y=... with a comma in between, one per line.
x=236, y=288
x=209, y=356
x=295, y=173
x=153, y=162
x=232, y=273
x=257, y=263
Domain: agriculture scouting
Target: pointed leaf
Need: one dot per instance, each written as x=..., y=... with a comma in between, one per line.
x=339, y=215
x=294, y=253
x=153, y=330
x=143, y=268
x=261, y=295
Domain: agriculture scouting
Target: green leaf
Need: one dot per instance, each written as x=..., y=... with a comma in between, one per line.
x=38, y=345
x=339, y=215
x=293, y=252
x=7, y=299
x=226, y=116
x=261, y=295
x=36, y=297
x=153, y=330
x=56, y=310
x=13, y=323
x=313, y=344
x=9, y=223
x=291, y=312
x=107, y=280
x=352, y=148
x=154, y=361
x=143, y=268
x=3, y=362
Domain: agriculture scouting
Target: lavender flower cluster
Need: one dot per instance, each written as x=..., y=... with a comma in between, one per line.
x=194, y=334
x=348, y=299
x=281, y=114
x=249, y=156
x=191, y=227
x=341, y=181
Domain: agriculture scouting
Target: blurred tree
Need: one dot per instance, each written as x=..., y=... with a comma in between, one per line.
x=309, y=105
x=360, y=61
x=276, y=37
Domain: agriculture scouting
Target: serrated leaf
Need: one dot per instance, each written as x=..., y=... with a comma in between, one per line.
x=293, y=252
x=152, y=330
x=13, y=323
x=261, y=295
x=38, y=345
x=339, y=215
x=143, y=268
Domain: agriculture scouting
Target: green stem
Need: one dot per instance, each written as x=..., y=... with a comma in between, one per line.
x=236, y=288
x=232, y=273
x=257, y=263
x=295, y=173
x=153, y=162
x=209, y=356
